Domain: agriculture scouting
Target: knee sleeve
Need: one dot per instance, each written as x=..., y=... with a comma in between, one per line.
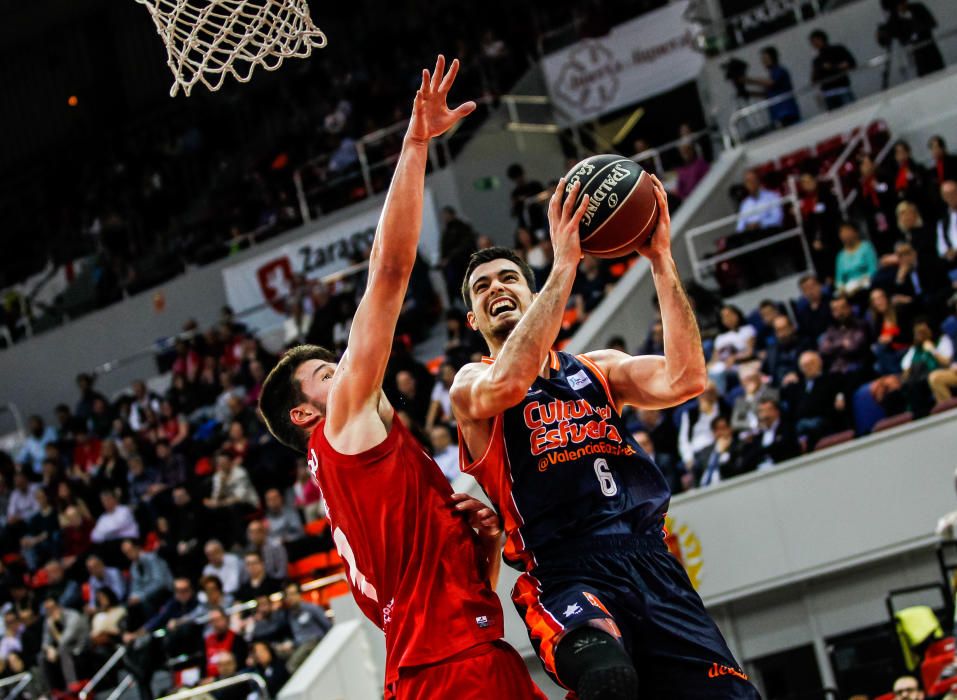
x=595, y=665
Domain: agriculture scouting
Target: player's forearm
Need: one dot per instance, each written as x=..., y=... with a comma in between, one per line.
x=521, y=358
x=397, y=237
x=684, y=359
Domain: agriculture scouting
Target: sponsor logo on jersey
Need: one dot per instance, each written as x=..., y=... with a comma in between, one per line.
x=387, y=613
x=573, y=609
x=559, y=423
x=578, y=380
x=482, y=621
x=717, y=670
x=313, y=461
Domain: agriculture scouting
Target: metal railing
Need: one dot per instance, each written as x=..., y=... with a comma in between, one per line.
x=97, y=677
x=756, y=117
x=124, y=685
x=19, y=682
x=253, y=678
x=711, y=232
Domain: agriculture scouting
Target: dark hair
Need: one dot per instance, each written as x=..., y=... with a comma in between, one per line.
x=742, y=319
x=818, y=34
x=281, y=392
x=939, y=139
x=111, y=598
x=717, y=419
x=514, y=171
x=808, y=276
x=904, y=144
x=769, y=302
x=480, y=257
x=215, y=580
x=772, y=53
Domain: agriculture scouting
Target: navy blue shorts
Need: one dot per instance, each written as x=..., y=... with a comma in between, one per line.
x=632, y=586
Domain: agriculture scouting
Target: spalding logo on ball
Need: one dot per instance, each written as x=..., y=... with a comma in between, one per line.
x=622, y=209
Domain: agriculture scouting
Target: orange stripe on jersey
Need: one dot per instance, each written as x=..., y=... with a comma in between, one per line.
x=553, y=360
x=542, y=625
x=601, y=377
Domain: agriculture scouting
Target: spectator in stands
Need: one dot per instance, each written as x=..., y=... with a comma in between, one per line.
x=306, y=491
x=947, y=225
x=530, y=216
x=654, y=342
x=224, y=565
x=39, y=435
x=943, y=164
x=914, y=26
x=258, y=582
x=10, y=641
x=890, y=326
x=444, y=451
x=910, y=228
x=920, y=283
x=114, y=524
x=773, y=442
x=907, y=688
x=283, y=521
x=943, y=381
x=694, y=431
x=86, y=450
x=455, y=247
x=856, y=262
x=722, y=459
x=221, y=639
x=757, y=210
x=84, y=405
x=213, y=596
x=829, y=69
x=844, y=346
x=112, y=473
x=74, y=535
x=105, y=631
x=744, y=413
x=42, y=533
x=270, y=549
x=178, y=610
x=820, y=217
x=31, y=641
x=927, y=354
x=151, y=582
x=782, y=356
x=66, y=591
x=309, y=624
x=875, y=203
x=692, y=170
x=232, y=498
x=812, y=309
x=65, y=638
x=440, y=408
x=537, y=252
x=268, y=622
x=734, y=345
x=910, y=180
x=102, y=576
x=661, y=428
x=812, y=398
x=142, y=400
x=265, y=663
x=22, y=504
x=411, y=399
x=591, y=285
x=783, y=109
x=142, y=482
x=677, y=477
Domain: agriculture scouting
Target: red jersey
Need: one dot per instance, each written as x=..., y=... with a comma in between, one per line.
x=414, y=564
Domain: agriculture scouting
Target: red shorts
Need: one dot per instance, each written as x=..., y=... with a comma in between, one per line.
x=491, y=670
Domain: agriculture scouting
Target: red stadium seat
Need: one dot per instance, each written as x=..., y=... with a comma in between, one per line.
x=941, y=687
x=947, y=405
x=434, y=364
x=835, y=439
x=892, y=421
x=942, y=647
x=931, y=669
x=39, y=579
x=317, y=527
x=830, y=147
x=792, y=162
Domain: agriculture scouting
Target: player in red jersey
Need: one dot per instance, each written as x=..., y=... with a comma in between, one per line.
x=418, y=570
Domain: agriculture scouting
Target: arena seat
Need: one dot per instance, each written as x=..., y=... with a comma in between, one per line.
x=893, y=421
x=942, y=647
x=317, y=527
x=943, y=406
x=942, y=686
x=835, y=439
x=931, y=669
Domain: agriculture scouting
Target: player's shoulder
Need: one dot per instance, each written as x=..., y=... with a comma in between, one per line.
x=605, y=356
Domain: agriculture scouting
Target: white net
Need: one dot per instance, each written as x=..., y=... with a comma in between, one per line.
x=206, y=40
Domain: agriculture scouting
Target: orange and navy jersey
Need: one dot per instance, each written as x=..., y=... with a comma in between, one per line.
x=416, y=567
x=561, y=466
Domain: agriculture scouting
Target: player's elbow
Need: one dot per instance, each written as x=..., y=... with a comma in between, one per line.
x=690, y=385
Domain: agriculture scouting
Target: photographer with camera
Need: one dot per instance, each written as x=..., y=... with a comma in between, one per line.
x=912, y=25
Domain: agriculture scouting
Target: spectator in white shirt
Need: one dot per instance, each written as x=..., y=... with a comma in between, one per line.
x=227, y=567
x=734, y=345
x=34, y=447
x=694, y=434
x=116, y=522
x=232, y=499
x=757, y=210
x=444, y=451
x=947, y=226
x=440, y=408
x=23, y=503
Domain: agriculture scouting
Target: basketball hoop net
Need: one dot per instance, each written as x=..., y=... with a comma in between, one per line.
x=208, y=39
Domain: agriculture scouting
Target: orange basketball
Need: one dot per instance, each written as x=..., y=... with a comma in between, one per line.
x=622, y=211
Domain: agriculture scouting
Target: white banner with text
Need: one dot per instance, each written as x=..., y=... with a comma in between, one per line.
x=643, y=57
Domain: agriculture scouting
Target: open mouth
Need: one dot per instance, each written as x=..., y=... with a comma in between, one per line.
x=500, y=306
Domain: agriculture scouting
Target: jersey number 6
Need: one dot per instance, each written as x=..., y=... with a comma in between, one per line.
x=605, y=479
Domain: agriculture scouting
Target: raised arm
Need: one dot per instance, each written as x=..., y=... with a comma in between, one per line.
x=651, y=381
x=483, y=391
x=358, y=379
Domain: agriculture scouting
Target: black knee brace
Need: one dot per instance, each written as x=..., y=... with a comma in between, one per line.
x=595, y=665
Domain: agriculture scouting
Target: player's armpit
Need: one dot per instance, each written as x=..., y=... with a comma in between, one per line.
x=480, y=393
x=642, y=381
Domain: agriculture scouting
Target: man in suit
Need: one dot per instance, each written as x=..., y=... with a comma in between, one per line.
x=922, y=284
x=773, y=442
x=783, y=356
x=812, y=399
x=722, y=460
x=947, y=225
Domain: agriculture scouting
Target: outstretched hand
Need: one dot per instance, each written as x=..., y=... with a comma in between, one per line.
x=479, y=516
x=564, y=220
x=431, y=115
x=658, y=244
